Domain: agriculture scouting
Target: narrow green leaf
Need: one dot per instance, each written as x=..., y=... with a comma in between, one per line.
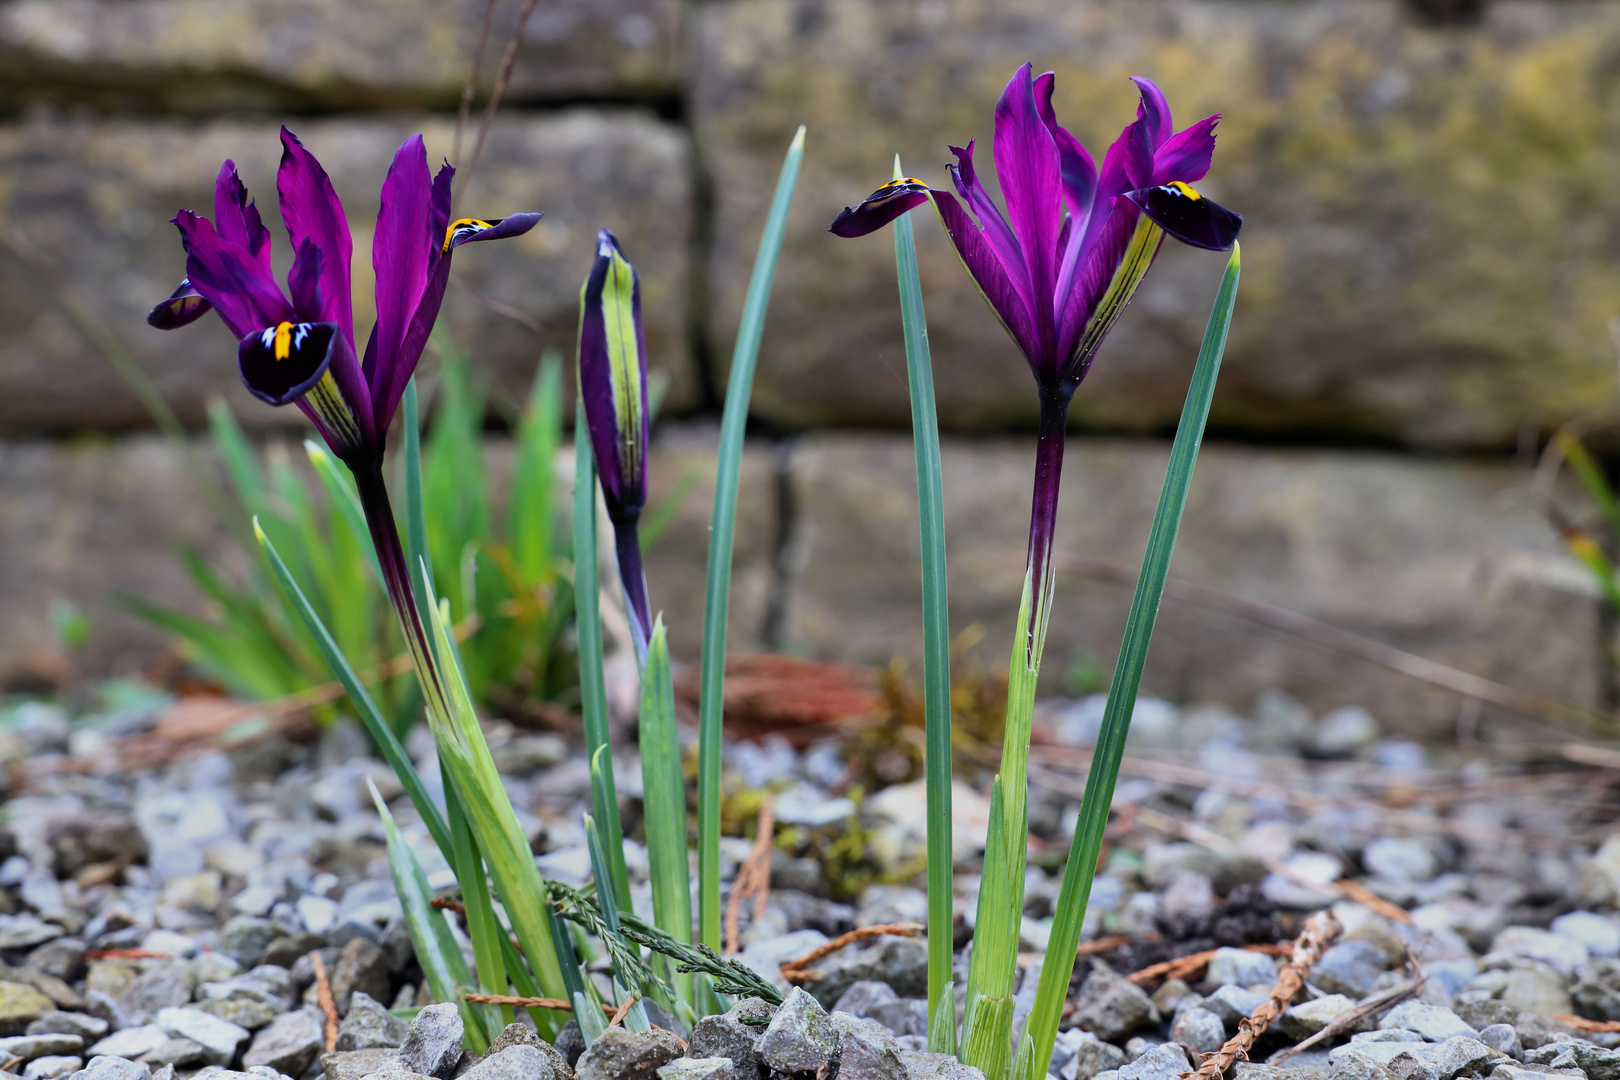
x=664, y=796
x=241, y=464
x=345, y=500
x=591, y=1021
x=532, y=511
x=592, y=689
x=936, y=615
x=942, y=1021
x=717, y=593
x=1088, y=831
x=987, y=1034
x=383, y=735
x=483, y=928
x=436, y=950
x=624, y=982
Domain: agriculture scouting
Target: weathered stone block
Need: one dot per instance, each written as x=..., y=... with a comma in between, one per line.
x=1427, y=254
x=203, y=56
x=1444, y=557
x=90, y=200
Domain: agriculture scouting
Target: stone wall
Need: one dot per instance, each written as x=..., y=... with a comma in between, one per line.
x=1446, y=558
x=1430, y=266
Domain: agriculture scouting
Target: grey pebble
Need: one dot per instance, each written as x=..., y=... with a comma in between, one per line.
x=432, y=1045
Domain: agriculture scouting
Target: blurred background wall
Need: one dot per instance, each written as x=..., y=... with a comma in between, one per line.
x=1432, y=263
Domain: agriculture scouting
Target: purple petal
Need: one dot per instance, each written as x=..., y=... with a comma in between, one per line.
x=304, y=279
x=311, y=211
x=986, y=269
x=1185, y=156
x=403, y=252
x=1096, y=274
x=612, y=383
x=441, y=198
x=225, y=275
x=879, y=208
x=236, y=217
x=1030, y=176
x=1113, y=181
x=994, y=227
x=1078, y=171
x=386, y=392
x=1153, y=111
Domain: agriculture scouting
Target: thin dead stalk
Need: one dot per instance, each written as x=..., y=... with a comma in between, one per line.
x=508, y=61
x=1320, y=929
x=527, y=1002
x=1580, y=1023
x=623, y=1010
x=798, y=970
x=753, y=876
x=1349, y=1021
x=469, y=89
x=1191, y=966
x=323, y=991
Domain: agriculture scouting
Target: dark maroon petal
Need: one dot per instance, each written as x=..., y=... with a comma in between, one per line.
x=994, y=227
x=1189, y=217
x=183, y=307
x=281, y=363
x=403, y=252
x=985, y=268
x=1185, y=156
x=227, y=276
x=311, y=211
x=236, y=217
x=880, y=208
x=1031, y=183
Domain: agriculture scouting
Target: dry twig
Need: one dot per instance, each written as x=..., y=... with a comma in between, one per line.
x=1348, y=1021
x=527, y=1002
x=323, y=991
x=797, y=970
x=753, y=876
x=1320, y=929
x=1190, y=966
x=1580, y=1023
x=624, y=1008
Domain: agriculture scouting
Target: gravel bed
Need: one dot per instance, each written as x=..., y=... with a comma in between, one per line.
x=162, y=921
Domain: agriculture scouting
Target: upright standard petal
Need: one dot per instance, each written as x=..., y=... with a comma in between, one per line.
x=311, y=210
x=1030, y=175
x=230, y=278
x=613, y=377
x=1186, y=155
x=388, y=386
x=1079, y=172
x=403, y=252
x=236, y=217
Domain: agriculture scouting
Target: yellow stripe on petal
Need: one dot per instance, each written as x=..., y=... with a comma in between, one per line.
x=624, y=363
x=328, y=403
x=466, y=226
x=1133, y=267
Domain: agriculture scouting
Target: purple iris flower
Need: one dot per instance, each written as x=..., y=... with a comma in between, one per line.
x=613, y=390
x=1065, y=259
x=302, y=350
